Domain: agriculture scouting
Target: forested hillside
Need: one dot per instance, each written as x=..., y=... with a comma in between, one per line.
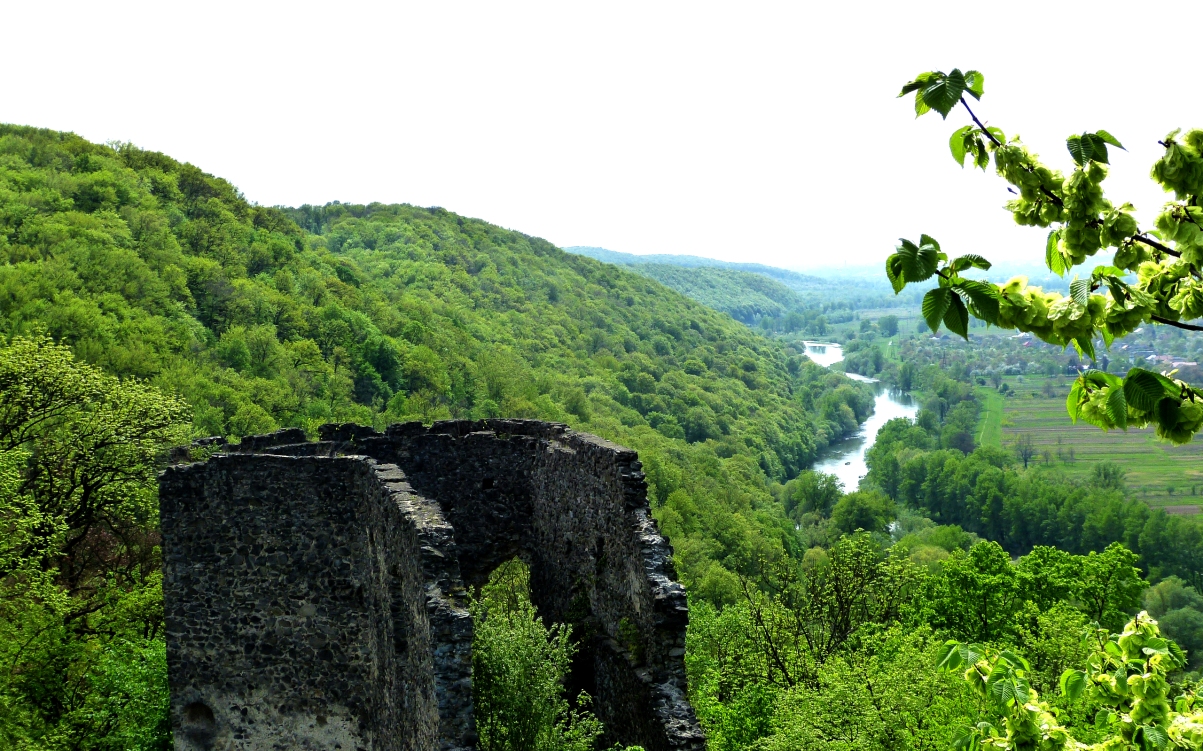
x=780, y=302
x=262, y=318
x=792, y=279
x=743, y=295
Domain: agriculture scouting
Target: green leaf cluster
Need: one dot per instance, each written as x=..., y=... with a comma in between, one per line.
x=1139, y=399
x=941, y=91
x=1125, y=676
x=949, y=303
x=1168, y=262
x=1091, y=147
x=970, y=141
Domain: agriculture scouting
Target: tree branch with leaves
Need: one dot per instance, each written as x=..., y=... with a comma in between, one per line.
x=1156, y=275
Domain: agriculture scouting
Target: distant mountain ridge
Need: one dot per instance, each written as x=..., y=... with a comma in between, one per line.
x=770, y=298
x=791, y=279
x=744, y=295
x=822, y=278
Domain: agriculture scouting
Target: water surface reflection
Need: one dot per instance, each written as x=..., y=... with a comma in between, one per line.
x=846, y=459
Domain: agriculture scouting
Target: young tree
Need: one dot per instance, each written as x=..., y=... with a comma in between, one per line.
x=1025, y=448
x=80, y=573
x=1108, y=475
x=1167, y=261
x=888, y=325
x=869, y=510
x=1110, y=585
x=518, y=670
x=808, y=616
x=976, y=594
x=812, y=492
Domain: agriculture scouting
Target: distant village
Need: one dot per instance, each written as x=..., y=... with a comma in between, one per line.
x=1145, y=354
x=990, y=355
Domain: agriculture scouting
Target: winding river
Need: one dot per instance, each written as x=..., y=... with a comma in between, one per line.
x=846, y=459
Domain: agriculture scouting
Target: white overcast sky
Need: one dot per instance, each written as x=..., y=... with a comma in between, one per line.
x=744, y=131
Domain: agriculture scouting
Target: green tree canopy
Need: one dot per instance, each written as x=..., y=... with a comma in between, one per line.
x=888, y=325
x=812, y=492
x=869, y=510
x=81, y=612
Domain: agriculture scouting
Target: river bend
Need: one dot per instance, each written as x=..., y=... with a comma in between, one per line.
x=846, y=458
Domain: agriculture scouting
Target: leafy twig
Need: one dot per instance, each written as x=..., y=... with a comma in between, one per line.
x=989, y=135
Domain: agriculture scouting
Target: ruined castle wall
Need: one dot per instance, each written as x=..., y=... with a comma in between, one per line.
x=406, y=522
x=574, y=507
x=439, y=644
x=481, y=483
x=296, y=607
x=595, y=546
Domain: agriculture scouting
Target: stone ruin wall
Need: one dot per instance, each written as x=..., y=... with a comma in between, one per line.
x=316, y=592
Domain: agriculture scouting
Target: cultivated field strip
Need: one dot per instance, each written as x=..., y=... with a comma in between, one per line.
x=1158, y=473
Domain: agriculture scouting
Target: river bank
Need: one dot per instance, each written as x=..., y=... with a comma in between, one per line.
x=846, y=459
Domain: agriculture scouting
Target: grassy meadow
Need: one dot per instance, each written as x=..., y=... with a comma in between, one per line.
x=1164, y=476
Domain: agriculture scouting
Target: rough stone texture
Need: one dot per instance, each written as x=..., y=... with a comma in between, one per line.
x=316, y=591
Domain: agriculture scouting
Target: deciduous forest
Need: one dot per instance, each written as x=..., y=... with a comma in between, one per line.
x=957, y=598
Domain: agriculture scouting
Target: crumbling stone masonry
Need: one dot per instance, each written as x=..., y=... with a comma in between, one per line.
x=316, y=592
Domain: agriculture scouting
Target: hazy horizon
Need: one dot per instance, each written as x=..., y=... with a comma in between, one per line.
x=1008, y=267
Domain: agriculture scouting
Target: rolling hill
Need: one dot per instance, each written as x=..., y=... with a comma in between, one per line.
x=777, y=301
x=268, y=317
x=791, y=279
x=745, y=296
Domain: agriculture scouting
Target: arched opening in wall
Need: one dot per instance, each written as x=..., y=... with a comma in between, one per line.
x=198, y=727
x=520, y=669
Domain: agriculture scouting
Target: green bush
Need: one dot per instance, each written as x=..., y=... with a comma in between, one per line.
x=518, y=671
